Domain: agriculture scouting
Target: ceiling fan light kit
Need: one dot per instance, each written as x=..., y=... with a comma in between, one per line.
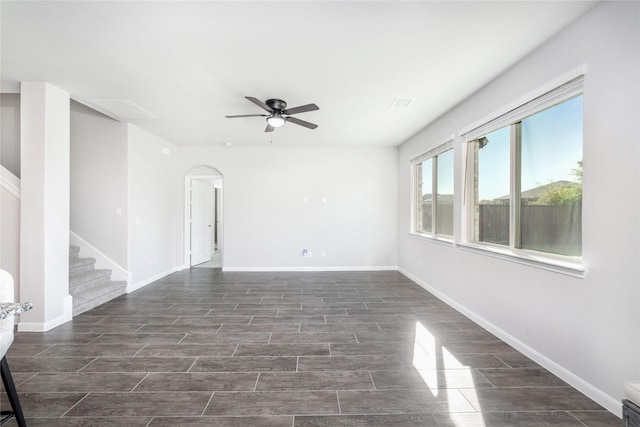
x=278, y=113
x=276, y=120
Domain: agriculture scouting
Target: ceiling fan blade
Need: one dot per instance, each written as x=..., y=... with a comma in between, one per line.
x=246, y=115
x=301, y=109
x=301, y=122
x=259, y=103
x=269, y=128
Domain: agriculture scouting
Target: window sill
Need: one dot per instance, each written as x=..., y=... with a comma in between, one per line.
x=567, y=267
x=434, y=239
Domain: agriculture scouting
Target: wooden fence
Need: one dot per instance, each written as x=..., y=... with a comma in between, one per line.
x=547, y=228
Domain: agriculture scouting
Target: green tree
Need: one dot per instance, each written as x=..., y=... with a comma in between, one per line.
x=577, y=172
x=567, y=194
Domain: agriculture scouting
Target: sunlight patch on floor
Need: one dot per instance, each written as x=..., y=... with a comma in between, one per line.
x=441, y=371
x=424, y=357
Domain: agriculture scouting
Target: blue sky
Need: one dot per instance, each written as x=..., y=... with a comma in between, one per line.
x=551, y=148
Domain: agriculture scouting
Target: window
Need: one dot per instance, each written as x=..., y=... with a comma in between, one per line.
x=526, y=176
x=433, y=192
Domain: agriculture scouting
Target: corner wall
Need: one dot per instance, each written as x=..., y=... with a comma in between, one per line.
x=585, y=330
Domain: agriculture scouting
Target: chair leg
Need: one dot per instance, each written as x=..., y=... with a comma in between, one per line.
x=10, y=388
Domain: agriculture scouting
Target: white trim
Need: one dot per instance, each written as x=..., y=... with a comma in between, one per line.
x=599, y=396
x=187, y=221
x=536, y=93
x=434, y=238
x=141, y=284
x=46, y=326
x=318, y=269
x=187, y=213
x=118, y=273
x=544, y=261
x=440, y=147
x=9, y=182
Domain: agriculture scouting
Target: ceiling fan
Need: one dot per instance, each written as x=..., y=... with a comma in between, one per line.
x=279, y=114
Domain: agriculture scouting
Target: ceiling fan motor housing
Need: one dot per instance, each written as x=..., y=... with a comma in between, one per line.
x=276, y=104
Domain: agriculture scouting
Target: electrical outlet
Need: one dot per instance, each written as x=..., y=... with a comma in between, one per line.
x=310, y=254
x=324, y=254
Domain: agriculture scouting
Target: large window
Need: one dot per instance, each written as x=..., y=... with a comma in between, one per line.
x=433, y=192
x=526, y=180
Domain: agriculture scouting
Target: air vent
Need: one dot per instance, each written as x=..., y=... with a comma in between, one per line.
x=401, y=102
x=123, y=110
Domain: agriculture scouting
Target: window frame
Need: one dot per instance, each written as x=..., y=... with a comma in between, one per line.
x=512, y=116
x=416, y=190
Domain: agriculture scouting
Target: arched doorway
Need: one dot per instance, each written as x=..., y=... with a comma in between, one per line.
x=203, y=214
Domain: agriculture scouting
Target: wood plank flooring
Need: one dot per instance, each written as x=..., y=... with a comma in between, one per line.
x=206, y=348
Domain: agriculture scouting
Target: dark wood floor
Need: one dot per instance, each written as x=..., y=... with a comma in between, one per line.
x=206, y=348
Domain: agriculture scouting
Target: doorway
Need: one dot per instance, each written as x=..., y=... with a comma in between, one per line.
x=203, y=221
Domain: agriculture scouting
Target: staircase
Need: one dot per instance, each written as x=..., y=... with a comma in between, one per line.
x=88, y=286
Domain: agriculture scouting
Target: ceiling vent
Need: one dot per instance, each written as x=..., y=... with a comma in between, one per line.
x=123, y=110
x=401, y=102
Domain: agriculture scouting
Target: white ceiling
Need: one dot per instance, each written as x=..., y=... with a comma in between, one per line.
x=192, y=63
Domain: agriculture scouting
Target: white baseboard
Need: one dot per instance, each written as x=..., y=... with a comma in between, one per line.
x=311, y=269
x=118, y=273
x=68, y=308
x=608, y=402
x=141, y=284
x=47, y=326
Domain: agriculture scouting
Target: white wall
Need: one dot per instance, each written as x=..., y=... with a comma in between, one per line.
x=587, y=330
x=155, y=205
x=267, y=224
x=10, y=132
x=10, y=227
x=99, y=181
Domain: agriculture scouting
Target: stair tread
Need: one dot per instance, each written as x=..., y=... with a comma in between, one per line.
x=99, y=290
x=88, y=301
x=91, y=274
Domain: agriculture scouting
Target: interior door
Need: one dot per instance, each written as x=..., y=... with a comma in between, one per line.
x=200, y=221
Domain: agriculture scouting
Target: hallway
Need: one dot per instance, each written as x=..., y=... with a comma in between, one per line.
x=202, y=347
